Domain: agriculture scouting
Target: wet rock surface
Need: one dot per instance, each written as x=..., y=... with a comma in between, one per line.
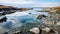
x=3, y=19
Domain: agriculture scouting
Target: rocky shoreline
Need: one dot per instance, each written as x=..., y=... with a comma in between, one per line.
x=42, y=25
x=50, y=25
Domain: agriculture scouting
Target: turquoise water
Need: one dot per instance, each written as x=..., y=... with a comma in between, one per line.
x=18, y=18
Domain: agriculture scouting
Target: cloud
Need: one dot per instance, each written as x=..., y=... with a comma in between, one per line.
x=47, y=4
x=16, y=2
x=28, y=3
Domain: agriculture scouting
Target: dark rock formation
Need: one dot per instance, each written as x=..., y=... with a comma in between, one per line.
x=40, y=16
x=30, y=13
x=7, y=8
x=4, y=19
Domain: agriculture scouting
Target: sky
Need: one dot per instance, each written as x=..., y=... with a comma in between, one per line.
x=30, y=3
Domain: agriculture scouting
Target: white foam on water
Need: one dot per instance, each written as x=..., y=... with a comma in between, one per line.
x=17, y=14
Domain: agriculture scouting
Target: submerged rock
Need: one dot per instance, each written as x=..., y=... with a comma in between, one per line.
x=30, y=13
x=5, y=33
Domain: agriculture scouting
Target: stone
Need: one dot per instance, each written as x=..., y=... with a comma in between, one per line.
x=58, y=24
x=52, y=32
x=3, y=19
x=46, y=29
x=35, y=30
x=40, y=16
x=30, y=13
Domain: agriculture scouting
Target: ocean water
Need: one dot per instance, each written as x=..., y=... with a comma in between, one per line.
x=18, y=18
